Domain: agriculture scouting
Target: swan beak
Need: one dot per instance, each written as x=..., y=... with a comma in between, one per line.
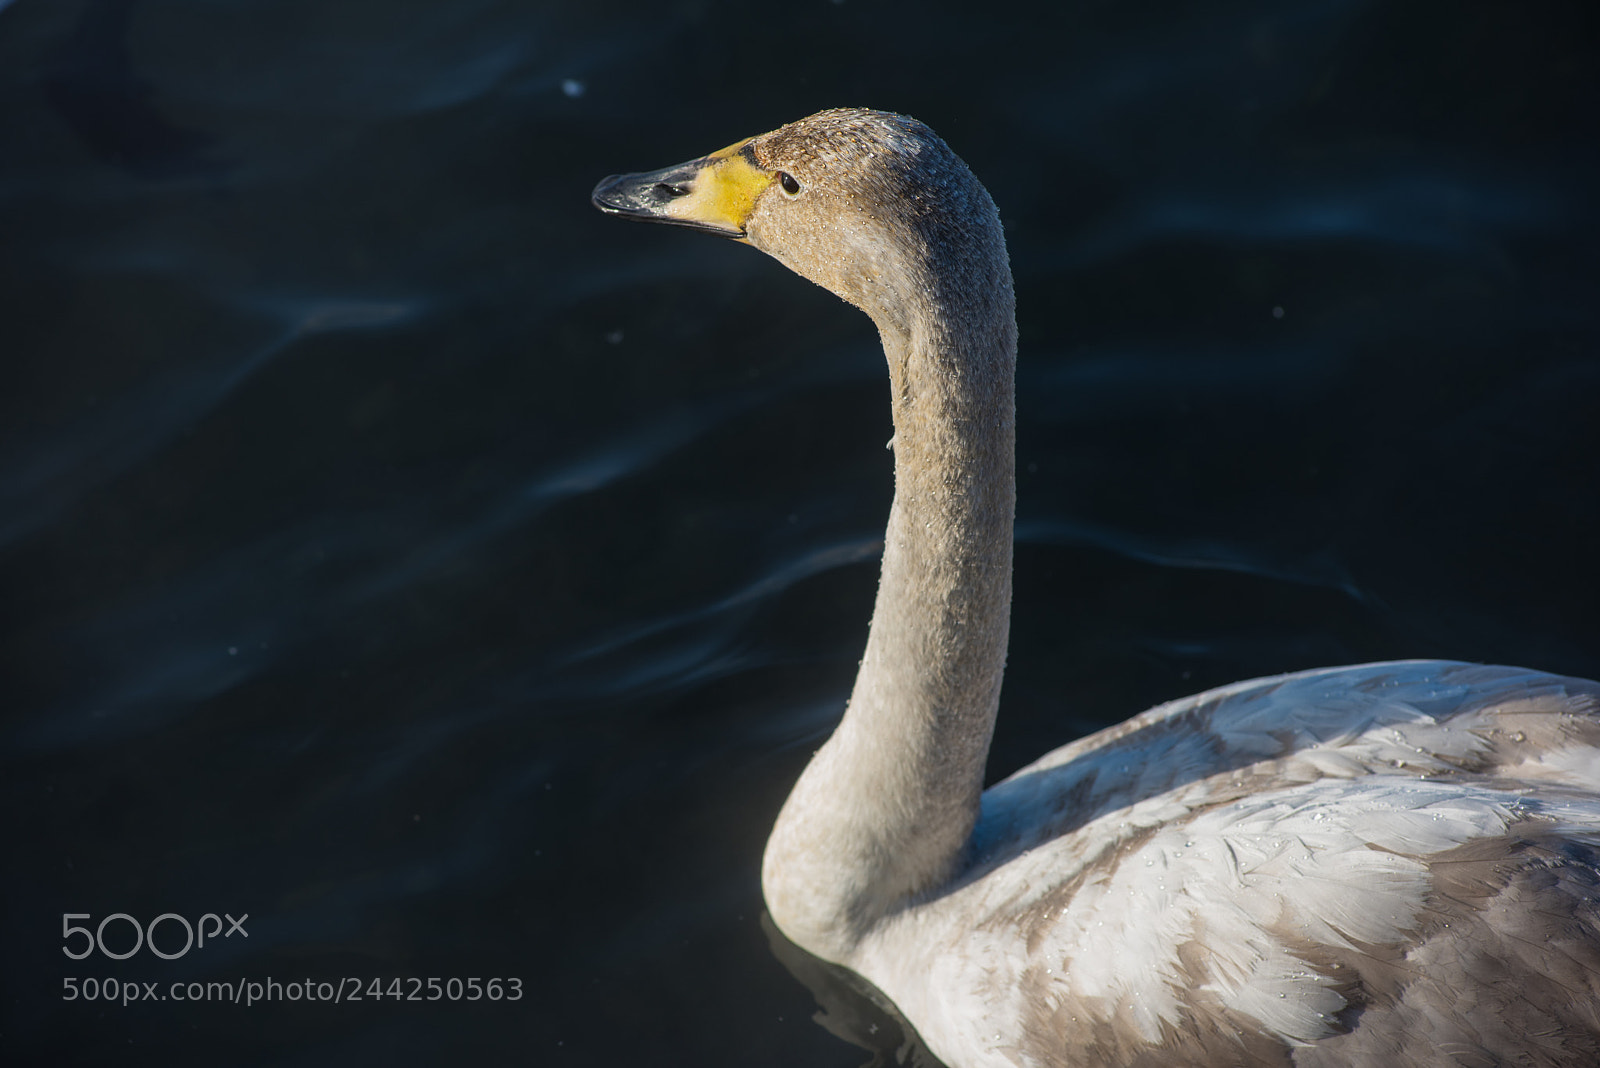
x=714, y=193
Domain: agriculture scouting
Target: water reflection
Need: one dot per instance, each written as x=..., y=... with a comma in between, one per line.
x=852, y=1008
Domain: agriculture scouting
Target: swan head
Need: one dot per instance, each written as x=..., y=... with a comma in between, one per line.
x=868, y=204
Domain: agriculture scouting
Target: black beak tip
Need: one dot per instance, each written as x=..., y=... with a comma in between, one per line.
x=644, y=197
x=603, y=196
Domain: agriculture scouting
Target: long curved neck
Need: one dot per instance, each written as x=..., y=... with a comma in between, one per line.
x=884, y=810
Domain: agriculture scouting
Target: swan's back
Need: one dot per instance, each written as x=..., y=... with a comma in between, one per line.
x=1397, y=862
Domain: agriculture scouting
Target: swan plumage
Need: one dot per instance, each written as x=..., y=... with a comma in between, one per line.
x=1394, y=863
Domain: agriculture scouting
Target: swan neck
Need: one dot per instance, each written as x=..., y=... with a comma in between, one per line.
x=883, y=813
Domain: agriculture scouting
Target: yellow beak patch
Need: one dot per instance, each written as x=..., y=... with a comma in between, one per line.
x=723, y=191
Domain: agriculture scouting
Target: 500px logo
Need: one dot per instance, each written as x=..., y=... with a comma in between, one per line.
x=146, y=935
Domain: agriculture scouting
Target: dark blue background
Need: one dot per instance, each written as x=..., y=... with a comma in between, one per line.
x=453, y=579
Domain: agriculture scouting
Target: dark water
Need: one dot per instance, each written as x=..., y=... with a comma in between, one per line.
x=454, y=580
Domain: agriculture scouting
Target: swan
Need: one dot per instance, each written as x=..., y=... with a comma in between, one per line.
x=1390, y=863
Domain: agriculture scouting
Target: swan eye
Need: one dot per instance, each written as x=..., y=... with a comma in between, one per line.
x=790, y=186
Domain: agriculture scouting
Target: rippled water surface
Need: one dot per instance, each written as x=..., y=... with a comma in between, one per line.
x=454, y=580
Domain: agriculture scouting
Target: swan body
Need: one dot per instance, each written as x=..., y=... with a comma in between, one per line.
x=1392, y=864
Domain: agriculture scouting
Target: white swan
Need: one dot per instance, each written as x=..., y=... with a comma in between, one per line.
x=1388, y=864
